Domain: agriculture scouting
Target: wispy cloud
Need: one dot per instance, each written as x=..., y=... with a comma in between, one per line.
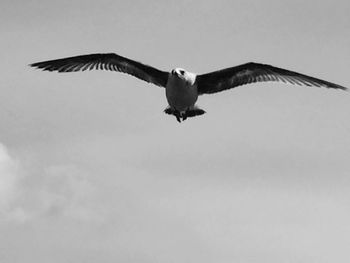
x=57, y=190
x=9, y=173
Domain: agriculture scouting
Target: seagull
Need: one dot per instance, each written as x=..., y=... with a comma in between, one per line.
x=182, y=87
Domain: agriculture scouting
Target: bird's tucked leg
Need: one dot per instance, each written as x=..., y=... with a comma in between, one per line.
x=174, y=112
x=169, y=111
x=194, y=112
x=190, y=112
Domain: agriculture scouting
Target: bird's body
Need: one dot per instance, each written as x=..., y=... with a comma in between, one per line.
x=181, y=92
x=182, y=88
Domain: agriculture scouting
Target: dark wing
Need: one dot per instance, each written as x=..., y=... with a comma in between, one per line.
x=253, y=72
x=109, y=61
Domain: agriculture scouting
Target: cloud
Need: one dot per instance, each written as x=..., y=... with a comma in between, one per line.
x=66, y=191
x=57, y=190
x=8, y=178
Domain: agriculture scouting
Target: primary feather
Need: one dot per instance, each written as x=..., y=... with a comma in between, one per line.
x=254, y=72
x=108, y=61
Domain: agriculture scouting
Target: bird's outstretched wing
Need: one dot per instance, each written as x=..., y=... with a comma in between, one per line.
x=253, y=72
x=108, y=61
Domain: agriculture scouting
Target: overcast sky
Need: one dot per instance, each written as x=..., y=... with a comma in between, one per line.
x=92, y=170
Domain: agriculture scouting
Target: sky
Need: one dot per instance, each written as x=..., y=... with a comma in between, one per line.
x=92, y=170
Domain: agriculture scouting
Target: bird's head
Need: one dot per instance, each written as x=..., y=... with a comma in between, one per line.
x=183, y=74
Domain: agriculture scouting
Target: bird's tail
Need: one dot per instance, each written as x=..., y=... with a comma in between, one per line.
x=192, y=112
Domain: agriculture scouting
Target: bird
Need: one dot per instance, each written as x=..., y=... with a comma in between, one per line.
x=182, y=87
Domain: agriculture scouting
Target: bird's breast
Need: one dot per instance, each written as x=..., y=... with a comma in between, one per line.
x=180, y=94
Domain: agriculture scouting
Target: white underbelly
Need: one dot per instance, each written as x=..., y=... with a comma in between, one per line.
x=181, y=96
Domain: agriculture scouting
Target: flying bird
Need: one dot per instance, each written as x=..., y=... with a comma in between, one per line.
x=182, y=87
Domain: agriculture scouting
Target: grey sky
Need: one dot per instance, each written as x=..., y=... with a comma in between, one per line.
x=92, y=170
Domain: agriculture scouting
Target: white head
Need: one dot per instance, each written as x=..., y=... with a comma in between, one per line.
x=185, y=75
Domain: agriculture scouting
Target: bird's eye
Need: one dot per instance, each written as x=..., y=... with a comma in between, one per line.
x=182, y=72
